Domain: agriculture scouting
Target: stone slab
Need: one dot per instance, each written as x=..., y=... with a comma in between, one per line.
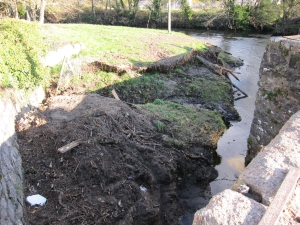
x=230, y=208
x=266, y=172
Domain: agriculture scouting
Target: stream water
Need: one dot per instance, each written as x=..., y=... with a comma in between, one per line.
x=232, y=147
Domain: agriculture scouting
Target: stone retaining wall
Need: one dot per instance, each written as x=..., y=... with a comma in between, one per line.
x=263, y=177
x=278, y=96
x=11, y=177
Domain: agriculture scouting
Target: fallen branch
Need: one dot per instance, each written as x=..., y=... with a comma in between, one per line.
x=216, y=68
x=68, y=147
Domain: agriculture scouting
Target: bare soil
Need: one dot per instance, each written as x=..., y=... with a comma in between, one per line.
x=121, y=173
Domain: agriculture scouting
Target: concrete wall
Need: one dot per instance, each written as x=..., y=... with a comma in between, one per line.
x=278, y=96
x=256, y=187
x=11, y=177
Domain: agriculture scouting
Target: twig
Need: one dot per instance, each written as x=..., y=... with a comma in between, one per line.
x=68, y=147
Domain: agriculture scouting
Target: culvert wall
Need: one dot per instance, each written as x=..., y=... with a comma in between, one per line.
x=12, y=103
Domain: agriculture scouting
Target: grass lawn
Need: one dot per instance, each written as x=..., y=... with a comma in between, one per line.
x=119, y=45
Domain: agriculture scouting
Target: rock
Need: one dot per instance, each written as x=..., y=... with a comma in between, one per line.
x=229, y=207
x=266, y=172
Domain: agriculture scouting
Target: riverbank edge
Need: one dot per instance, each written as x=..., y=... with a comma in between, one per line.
x=248, y=199
x=12, y=197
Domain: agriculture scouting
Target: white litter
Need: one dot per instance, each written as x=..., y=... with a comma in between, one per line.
x=36, y=200
x=143, y=189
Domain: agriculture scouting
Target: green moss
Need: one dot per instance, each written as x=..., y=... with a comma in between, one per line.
x=226, y=58
x=249, y=141
x=210, y=91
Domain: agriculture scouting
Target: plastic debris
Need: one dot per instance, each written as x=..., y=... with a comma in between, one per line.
x=36, y=200
x=143, y=189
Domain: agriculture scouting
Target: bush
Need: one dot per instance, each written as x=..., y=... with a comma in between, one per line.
x=237, y=15
x=21, y=45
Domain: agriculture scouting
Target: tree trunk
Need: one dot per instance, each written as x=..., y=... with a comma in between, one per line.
x=16, y=10
x=169, y=17
x=93, y=9
x=42, y=11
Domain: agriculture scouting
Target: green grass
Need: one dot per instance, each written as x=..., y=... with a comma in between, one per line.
x=188, y=124
x=212, y=90
x=117, y=45
x=20, y=50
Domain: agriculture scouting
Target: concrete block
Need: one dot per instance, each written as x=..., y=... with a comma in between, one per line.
x=230, y=208
x=266, y=172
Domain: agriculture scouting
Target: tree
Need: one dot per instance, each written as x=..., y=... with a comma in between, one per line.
x=42, y=11
x=169, y=16
x=186, y=9
x=237, y=15
x=93, y=9
x=265, y=13
x=290, y=10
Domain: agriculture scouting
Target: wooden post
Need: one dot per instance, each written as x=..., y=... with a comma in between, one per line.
x=282, y=196
x=169, y=17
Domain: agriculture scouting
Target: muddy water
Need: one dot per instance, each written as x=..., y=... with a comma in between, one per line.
x=232, y=146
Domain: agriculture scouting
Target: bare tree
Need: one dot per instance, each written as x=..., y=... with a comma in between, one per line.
x=93, y=8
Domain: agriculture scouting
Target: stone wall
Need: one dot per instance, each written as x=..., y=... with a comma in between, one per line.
x=11, y=177
x=259, y=183
x=278, y=96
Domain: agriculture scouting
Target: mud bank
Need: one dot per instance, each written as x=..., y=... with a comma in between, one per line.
x=257, y=186
x=278, y=96
x=132, y=162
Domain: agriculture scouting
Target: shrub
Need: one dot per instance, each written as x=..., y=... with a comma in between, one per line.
x=21, y=45
x=237, y=15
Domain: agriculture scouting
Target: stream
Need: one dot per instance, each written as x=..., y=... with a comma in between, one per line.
x=232, y=147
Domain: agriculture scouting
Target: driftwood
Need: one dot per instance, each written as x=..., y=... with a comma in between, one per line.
x=282, y=196
x=114, y=93
x=216, y=68
x=68, y=147
x=222, y=71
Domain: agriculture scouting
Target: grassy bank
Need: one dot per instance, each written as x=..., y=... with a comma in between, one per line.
x=137, y=48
